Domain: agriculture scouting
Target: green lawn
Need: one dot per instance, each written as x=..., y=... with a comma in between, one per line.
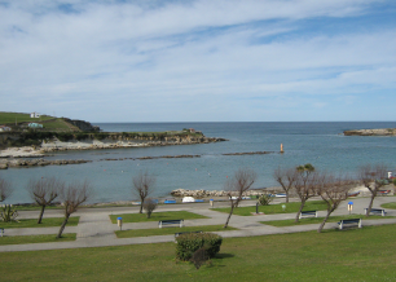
x=30, y=239
x=46, y=222
x=366, y=254
x=155, y=216
x=389, y=205
x=277, y=208
x=318, y=220
x=170, y=231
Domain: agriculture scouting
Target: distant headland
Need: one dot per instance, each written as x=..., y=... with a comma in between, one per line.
x=45, y=134
x=371, y=132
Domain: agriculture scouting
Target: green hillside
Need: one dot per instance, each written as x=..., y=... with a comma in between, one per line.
x=19, y=121
x=9, y=118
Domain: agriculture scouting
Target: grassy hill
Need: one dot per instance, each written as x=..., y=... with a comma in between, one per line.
x=9, y=118
x=19, y=121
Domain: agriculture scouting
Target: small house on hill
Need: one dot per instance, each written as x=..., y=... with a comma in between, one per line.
x=35, y=115
x=35, y=125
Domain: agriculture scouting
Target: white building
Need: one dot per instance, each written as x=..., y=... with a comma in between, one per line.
x=34, y=115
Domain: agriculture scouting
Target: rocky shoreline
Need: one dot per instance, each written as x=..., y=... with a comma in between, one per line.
x=199, y=194
x=20, y=163
x=371, y=132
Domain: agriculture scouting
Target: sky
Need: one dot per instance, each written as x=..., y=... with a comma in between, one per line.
x=199, y=60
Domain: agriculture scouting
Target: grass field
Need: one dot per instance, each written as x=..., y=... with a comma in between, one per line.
x=365, y=254
x=46, y=222
x=31, y=239
x=318, y=220
x=7, y=117
x=389, y=205
x=155, y=216
x=169, y=231
x=277, y=208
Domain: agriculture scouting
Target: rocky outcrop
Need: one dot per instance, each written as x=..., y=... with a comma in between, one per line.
x=83, y=125
x=118, y=141
x=211, y=193
x=371, y=132
x=249, y=153
x=4, y=164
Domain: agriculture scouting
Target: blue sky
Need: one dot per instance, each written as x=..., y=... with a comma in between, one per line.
x=204, y=60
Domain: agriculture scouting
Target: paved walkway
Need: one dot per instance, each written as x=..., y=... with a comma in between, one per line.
x=96, y=230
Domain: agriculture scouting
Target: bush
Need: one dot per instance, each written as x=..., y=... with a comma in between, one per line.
x=149, y=206
x=265, y=200
x=188, y=244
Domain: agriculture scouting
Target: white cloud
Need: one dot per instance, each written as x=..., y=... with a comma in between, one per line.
x=144, y=56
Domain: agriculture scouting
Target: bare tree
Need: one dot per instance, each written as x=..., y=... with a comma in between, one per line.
x=373, y=178
x=44, y=192
x=143, y=186
x=286, y=178
x=241, y=182
x=149, y=206
x=305, y=185
x=6, y=190
x=72, y=197
x=333, y=190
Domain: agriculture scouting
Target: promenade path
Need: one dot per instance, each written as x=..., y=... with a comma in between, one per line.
x=96, y=230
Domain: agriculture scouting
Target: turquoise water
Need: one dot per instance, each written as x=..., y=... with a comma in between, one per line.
x=321, y=144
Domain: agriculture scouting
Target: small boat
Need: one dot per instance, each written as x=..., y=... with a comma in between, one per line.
x=354, y=194
x=188, y=200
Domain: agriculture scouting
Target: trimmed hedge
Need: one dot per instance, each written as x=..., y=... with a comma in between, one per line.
x=188, y=243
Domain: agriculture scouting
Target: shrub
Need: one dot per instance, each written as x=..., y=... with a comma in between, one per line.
x=188, y=244
x=265, y=200
x=65, y=136
x=149, y=206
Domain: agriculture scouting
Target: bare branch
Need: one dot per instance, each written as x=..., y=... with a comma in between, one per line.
x=333, y=190
x=44, y=192
x=286, y=178
x=373, y=178
x=143, y=186
x=241, y=182
x=72, y=197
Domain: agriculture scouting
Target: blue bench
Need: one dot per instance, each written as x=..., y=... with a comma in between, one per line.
x=308, y=213
x=375, y=211
x=343, y=222
x=179, y=222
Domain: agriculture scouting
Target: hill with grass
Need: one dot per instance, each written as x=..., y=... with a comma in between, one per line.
x=19, y=122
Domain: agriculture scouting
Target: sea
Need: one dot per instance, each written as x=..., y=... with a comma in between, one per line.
x=321, y=144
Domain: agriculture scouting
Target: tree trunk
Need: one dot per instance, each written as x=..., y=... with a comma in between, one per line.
x=229, y=216
x=41, y=214
x=370, y=204
x=300, y=210
x=141, y=205
x=324, y=221
x=63, y=226
x=287, y=197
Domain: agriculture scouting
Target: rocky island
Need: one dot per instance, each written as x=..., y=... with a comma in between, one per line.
x=371, y=132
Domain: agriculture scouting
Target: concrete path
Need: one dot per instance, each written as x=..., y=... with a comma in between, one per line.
x=96, y=230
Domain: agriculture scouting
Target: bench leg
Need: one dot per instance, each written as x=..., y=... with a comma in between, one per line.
x=360, y=223
x=316, y=214
x=340, y=227
x=160, y=225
